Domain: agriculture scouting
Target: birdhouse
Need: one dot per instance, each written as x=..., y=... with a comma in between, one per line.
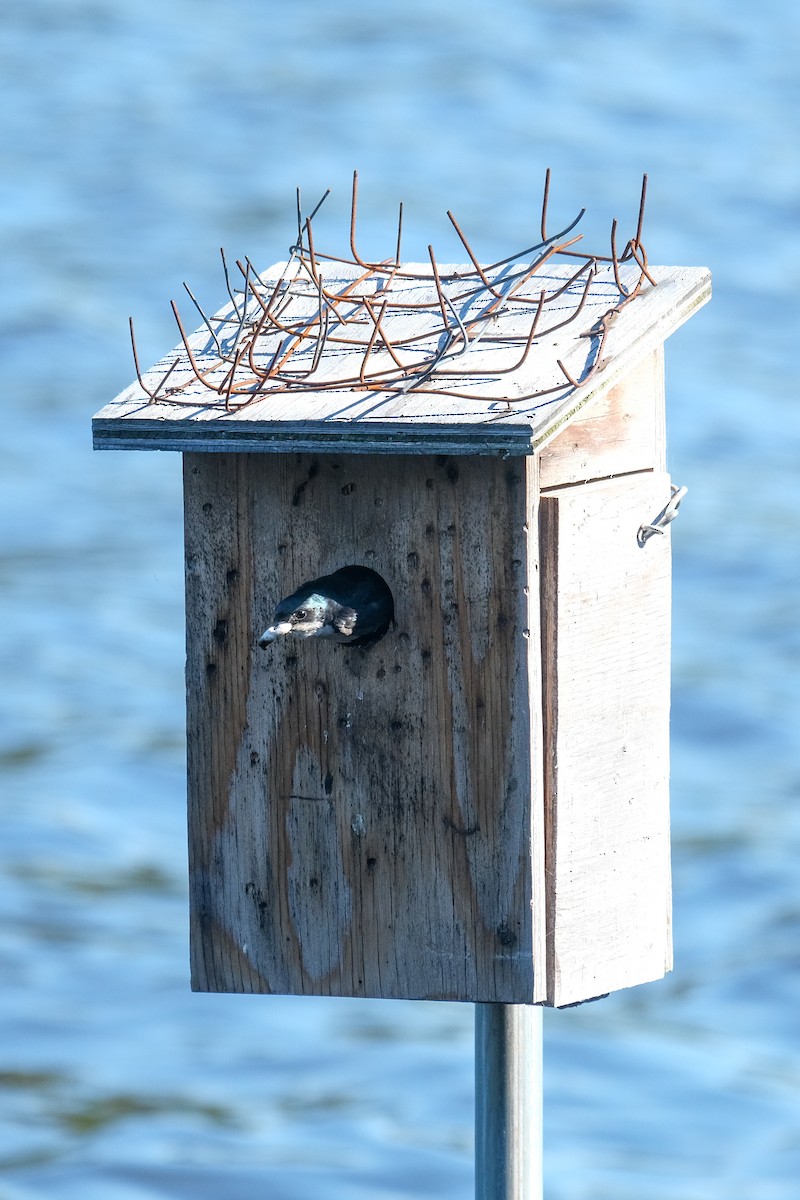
x=440, y=771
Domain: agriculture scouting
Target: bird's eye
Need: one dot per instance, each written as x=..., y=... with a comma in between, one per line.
x=301, y=614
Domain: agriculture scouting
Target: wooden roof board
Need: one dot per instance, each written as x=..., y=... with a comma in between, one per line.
x=322, y=413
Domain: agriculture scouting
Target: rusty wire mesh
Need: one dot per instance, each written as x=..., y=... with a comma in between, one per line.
x=342, y=324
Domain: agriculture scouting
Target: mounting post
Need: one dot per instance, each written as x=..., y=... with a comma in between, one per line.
x=508, y=1102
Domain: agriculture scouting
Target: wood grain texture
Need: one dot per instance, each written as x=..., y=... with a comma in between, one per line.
x=417, y=421
x=606, y=641
x=365, y=822
x=621, y=431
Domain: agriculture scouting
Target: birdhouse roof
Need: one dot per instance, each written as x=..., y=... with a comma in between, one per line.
x=322, y=354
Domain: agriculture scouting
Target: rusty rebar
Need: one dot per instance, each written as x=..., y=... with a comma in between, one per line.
x=228, y=281
x=353, y=206
x=524, y=275
x=438, y=286
x=545, y=198
x=205, y=319
x=639, y=253
x=525, y=352
x=479, y=269
x=231, y=379
x=576, y=311
x=146, y=390
x=642, y=200
x=297, y=248
x=556, y=237
x=371, y=342
x=245, y=271
x=615, y=260
x=377, y=297
x=381, y=332
x=324, y=321
x=164, y=379
x=312, y=262
x=201, y=376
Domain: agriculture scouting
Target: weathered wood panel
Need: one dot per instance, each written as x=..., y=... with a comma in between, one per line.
x=606, y=640
x=365, y=822
x=622, y=430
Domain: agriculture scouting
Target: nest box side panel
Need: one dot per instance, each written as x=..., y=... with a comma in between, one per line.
x=362, y=820
x=623, y=430
x=606, y=679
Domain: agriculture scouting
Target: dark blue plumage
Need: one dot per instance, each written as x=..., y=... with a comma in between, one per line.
x=353, y=605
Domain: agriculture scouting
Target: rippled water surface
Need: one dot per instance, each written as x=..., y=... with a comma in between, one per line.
x=137, y=139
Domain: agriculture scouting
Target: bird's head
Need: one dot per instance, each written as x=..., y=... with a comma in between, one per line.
x=353, y=605
x=309, y=614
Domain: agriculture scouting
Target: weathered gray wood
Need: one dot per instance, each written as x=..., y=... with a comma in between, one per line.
x=365, y=822
x=606, y=639
x=508, y=1102
x=366, y=422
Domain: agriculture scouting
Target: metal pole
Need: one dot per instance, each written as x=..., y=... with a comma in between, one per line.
x=508, y=1102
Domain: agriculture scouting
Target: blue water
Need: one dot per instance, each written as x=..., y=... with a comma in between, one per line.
x=136, y=139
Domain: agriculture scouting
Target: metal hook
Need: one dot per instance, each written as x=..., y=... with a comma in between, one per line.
x=664, y=518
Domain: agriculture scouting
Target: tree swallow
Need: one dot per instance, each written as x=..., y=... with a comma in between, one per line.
x=353, y=605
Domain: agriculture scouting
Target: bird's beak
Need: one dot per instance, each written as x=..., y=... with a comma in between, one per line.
x=273, y=633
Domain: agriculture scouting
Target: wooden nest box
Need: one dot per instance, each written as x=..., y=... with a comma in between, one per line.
x=475, y=806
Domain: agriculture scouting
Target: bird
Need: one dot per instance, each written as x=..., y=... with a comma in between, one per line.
x=353, y=606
